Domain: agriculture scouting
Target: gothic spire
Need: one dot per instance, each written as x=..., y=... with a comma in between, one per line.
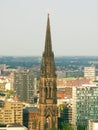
x=48, y=116
x=48, y=65
x=48, y=46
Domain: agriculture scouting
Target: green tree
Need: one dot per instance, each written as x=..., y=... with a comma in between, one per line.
x=81, y=127
x=9, y=93
x=61, y=107
x=53, y=129
x=67, y=127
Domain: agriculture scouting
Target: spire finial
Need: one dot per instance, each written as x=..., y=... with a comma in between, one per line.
x=48, y=12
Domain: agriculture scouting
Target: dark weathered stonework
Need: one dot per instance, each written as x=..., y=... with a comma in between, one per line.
x=48, y=91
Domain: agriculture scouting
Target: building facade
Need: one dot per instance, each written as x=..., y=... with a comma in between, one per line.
x=11, y=113
x=93, y=125
x=90, y=72
x=13, y=127
x=24, y=85
x=30, y=117
x=48, y=117
x=85, y=104
x=66, y=114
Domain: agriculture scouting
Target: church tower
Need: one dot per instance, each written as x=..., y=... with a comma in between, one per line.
x=48, y=117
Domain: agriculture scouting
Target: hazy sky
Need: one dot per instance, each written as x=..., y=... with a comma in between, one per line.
x=74, y=27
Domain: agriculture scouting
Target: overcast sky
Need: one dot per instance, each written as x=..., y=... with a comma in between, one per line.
x=74, y=27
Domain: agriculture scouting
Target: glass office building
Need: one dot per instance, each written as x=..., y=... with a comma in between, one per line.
x=85, y=104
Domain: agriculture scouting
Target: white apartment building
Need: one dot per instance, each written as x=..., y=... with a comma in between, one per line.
x=90, y=72
x=93, y=125
x=13, y=128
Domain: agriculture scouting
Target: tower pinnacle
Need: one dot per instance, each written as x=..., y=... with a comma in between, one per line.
x=48, y=46
x=48, y=65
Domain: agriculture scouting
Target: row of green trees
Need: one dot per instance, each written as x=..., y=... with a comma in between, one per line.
x=69, y=127
x=64, y=127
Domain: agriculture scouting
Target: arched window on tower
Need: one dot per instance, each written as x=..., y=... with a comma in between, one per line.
x=47, y=124
x=50, y=92
x=46, y=92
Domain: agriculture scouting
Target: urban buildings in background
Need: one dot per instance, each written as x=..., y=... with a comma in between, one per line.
x=31, y=99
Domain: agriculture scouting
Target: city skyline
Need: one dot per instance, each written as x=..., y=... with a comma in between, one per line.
x=74, y=27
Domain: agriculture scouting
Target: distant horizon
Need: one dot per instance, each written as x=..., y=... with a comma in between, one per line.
x=54, y=56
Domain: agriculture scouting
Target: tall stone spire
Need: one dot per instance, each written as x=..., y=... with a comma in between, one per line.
x=48, y=65
x=48, y=47
x=48, y=116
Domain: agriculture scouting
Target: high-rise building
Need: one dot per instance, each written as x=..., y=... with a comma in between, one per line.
x=24, y=85
x=48, y=115
x=85, y=104
x=90, y=72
